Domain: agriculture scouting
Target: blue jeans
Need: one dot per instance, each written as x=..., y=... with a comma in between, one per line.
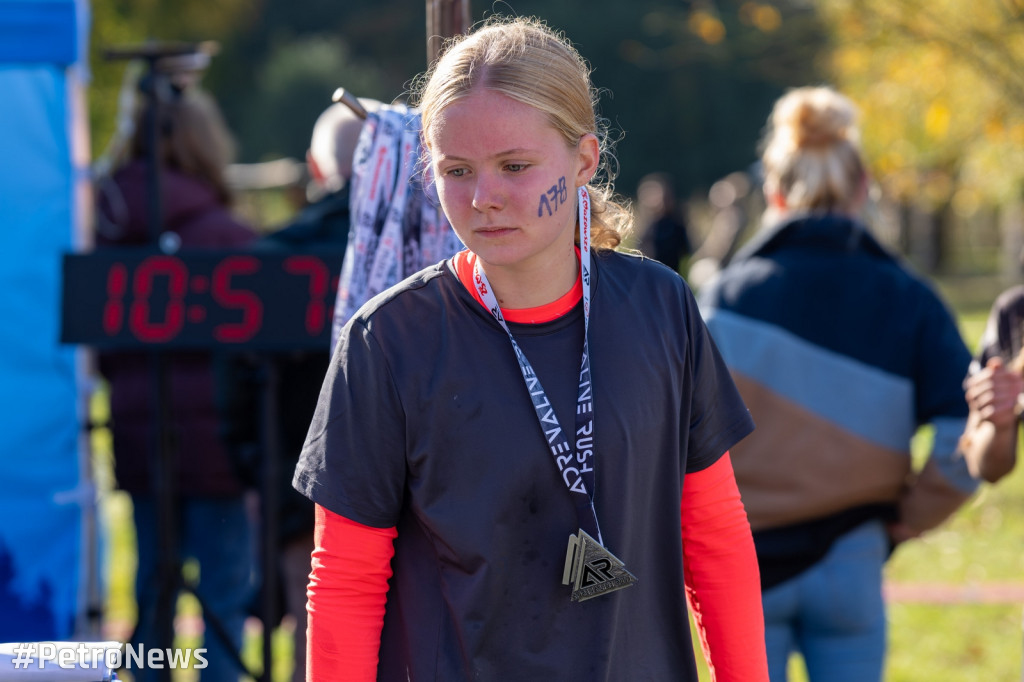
x=217, y=533
x=832, y=613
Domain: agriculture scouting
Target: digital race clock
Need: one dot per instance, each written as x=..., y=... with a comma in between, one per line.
x=125, y=297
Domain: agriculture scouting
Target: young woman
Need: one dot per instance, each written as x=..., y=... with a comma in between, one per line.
x=529, y=440
x=841, y=353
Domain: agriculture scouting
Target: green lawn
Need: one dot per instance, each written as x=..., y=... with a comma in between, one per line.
x=928, y=642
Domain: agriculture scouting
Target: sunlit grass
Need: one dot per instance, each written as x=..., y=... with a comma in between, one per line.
x=961, y=643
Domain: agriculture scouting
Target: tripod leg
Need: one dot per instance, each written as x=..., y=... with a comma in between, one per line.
x=156, y=585
x=295, y=566
x=219, y=536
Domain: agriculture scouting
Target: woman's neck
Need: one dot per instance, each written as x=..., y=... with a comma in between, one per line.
x=535, y=285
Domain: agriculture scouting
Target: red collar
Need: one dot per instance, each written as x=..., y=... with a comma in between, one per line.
x=463, y=263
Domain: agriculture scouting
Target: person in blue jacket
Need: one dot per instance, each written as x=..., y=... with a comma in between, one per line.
x=841, y=353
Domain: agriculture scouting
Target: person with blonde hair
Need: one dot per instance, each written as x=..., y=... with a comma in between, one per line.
x=841, y=353
x=501, y=492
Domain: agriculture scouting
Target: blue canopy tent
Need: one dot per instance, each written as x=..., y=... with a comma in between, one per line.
x=47, y=503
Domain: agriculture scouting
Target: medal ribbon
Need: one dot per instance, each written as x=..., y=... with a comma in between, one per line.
x=373, y=173
x=573, y=455
x=396, y=230
x=387, y=266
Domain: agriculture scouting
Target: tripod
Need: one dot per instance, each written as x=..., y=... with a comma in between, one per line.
x=170, y=68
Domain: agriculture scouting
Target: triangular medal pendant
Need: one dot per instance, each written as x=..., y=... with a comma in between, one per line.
x=591, y=569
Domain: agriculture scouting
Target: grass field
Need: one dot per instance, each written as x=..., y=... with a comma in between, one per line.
x=974, y=639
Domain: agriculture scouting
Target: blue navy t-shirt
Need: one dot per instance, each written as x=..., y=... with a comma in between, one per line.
x=425, y=423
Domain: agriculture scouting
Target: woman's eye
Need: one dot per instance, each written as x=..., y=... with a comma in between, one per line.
x=456, y=172
x=515, y=167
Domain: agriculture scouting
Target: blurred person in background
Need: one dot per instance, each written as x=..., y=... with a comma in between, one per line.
x=300, y=374
x=194, y=150
x=841, y=353
x=663, y=234
x=993, y=390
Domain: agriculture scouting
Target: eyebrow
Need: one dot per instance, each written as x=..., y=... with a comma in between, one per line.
x=498, y=155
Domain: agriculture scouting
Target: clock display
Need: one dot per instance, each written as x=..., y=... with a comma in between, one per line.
x=125, y=298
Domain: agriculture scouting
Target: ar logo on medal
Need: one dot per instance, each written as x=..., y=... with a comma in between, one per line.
x=591, y=569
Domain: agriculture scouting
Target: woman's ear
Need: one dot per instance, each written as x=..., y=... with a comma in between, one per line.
x=588, y=156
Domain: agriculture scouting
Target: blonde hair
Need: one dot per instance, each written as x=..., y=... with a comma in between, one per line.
x=524, y=59
x=811, y=152
x=194, y=139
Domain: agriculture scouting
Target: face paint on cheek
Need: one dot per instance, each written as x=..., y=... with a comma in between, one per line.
x=553, y=198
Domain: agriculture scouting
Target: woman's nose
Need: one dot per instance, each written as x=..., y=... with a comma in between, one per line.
x=488, y=194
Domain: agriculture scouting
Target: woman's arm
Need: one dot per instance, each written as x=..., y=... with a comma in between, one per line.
x=348, y=585
x=723, y=585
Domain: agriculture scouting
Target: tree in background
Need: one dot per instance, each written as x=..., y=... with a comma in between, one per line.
x=692, y=83
x=130, y=22
x=941, y=86
x=689, y=85
x=275, y=75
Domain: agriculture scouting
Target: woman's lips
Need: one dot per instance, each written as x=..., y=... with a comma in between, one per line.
x=495, y=231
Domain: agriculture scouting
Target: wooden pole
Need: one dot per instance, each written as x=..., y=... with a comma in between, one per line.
x=445, y=19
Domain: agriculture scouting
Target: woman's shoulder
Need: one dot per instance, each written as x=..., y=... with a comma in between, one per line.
x=417, y=297
x=631, y=263
x=634, y=277
x=413, y=319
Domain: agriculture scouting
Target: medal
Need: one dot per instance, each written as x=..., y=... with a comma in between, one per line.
x=591, y=569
